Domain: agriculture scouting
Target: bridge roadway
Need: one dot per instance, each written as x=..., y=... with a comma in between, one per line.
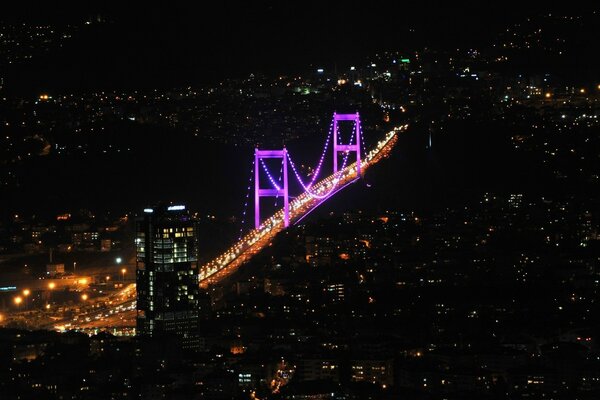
x=222, y=266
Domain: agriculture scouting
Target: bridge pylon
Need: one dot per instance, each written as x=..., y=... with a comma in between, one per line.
x=354, y=147
x=259, y=155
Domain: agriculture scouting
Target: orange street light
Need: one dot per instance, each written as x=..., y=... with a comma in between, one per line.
x=123, y=271
x=51, y=285
x=84, y=297
x=26, y=293
x=18, y=300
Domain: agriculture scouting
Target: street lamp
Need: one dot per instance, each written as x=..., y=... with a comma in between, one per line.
x=119, y=260
x=26, y=293
x=84, y=297
x=18, y=300
x=123, y=271
x=51, y=286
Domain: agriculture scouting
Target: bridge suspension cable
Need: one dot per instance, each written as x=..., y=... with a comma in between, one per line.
x=362, y=140
x=307, y=187
x=336, y=180
x=269, y=175
x=317, y=170
x=279, y=181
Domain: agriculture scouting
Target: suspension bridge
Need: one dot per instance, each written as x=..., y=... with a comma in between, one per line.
x=315, y=192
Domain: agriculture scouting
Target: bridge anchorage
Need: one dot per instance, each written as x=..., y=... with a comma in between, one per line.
x=314, y=192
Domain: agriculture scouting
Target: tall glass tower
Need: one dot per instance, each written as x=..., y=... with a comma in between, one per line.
x=167, y=274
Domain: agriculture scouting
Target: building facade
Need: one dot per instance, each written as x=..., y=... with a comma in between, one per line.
x=167, y=274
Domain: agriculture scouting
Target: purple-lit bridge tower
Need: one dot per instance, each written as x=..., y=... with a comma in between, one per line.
x=350, y=147
x=276, y=191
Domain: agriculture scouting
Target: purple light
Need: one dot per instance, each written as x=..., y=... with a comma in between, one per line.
x=336, y=179
x=349, y=147
x=317, y=171
x=258, y=192
x=271, y=179
x=322, y=158
x=279, y=182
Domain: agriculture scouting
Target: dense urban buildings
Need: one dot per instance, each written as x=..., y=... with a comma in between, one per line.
x=463, y=264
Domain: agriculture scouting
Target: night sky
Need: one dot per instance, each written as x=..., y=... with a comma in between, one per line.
x=145, y=45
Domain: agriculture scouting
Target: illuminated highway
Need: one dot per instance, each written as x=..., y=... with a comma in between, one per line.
x=301, y=206
x=116, y=311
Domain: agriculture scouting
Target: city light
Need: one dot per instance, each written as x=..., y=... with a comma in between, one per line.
x=175, y=208
x=84, y=297
x=18, y=300
x=148, y=210
x=118, y=260
x=26, y=292
x=51, y=285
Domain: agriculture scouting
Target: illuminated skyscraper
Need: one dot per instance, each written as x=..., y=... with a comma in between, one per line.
x=167, y=274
